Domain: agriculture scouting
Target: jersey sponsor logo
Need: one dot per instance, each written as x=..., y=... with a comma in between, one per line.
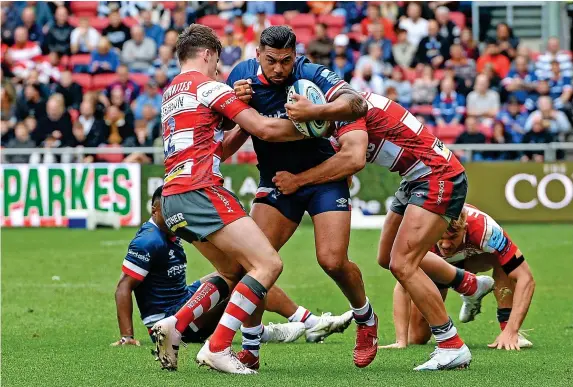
x=278, y=114
x=176, y=221
x=497, y=240
x=442, y=150
x=208, y=92
x=228, y=102
x=143, y=257
x=176, y=270
x=330, y=76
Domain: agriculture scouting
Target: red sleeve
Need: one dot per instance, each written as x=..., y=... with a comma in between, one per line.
x=345, y=127
x=221, y=98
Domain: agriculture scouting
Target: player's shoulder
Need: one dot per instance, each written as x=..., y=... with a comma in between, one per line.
x=305, y=69
x=244, y=70
x=483, y=230
x=147, y=239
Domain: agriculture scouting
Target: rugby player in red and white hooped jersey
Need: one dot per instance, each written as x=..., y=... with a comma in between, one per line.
x=477, y=243
x=196, y=207
x=432, y=193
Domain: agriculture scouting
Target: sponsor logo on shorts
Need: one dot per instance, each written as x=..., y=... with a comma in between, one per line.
x=342, y=202
x=172, y=255
x=176, y=270
x=135, y=254
x=223, y=199
x=176, y=221
x=441, y=185
x=418, y=194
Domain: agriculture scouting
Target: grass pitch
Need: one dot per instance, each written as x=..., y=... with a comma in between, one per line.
x=58, y=319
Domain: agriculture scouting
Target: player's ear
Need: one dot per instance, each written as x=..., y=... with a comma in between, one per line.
x=258, y=51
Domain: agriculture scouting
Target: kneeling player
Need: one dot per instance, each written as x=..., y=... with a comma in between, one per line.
x=155, y=270
x=476, y=242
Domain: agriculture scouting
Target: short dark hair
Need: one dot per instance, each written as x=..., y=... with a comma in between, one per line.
x=157, y=195
x=278, y=37
x=194, y=38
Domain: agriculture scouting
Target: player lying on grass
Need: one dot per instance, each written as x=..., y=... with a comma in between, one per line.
x=263, y=82
x=154, y=269
x=432, y=193
x=476, y=242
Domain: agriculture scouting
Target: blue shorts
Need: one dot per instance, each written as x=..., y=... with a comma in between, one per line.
x=315, y=199
x=190, y=336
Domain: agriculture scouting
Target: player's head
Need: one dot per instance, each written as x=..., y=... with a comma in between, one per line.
x=453, y=236
x=156, y=214
x=277, y=52
x=198, y=47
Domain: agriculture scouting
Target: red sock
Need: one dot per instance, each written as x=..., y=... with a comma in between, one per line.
x=502, y=325
x=243, y=302
x=453, y=342
x=447, y=335
x=469, y=284
x=204, y=299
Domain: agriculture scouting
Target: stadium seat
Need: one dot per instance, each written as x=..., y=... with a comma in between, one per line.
x=277, y=20
x=130, y=21
x=215, y=22
x=99, y=23
x=169, y=4
x=449, y=133
x=334, y=24
x=79, y=59
x=410, y=74
x=84, y=8
x=458, y=18
x=111, y=157
x=84, y=80
x=73, y=20
x=303, y=36
x=486, y=131
x=303, y=22
x=101, y=81
x=424, y=110
x=439, y=74
x=140, y=79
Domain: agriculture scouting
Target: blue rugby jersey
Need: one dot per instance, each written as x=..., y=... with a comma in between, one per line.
x=269, y=100
x=159, y=261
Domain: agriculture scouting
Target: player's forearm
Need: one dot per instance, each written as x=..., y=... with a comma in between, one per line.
x=233, y=141
x=124, y=305
x=522, y=296
x=279, y=130
x=401, y=314
x=347, y=107
x=336, y=168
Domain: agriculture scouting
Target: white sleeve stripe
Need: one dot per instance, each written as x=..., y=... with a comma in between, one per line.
x=333, y=90
x=133, y=267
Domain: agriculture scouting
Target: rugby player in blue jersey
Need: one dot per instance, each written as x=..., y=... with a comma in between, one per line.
x=263, y=83
x=154, y=269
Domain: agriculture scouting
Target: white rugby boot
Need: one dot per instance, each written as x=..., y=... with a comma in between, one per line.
x=471, y=306
x=224, y=361
x=167, y=340
x=282, y=333
x=522, y=341
x=327, y=325
x=447, y=359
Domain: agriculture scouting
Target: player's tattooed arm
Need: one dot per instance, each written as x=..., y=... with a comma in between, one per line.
x=124, y=306
x=346, y=105
x=266, y=128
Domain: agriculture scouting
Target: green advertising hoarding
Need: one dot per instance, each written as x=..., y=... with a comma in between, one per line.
x=370, y=188
x=43, y=195
x=522, y=192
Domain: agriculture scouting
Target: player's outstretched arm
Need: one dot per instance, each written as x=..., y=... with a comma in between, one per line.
x=401, y=315
x=233, y=140
x=350, y=159
x=124, y=305
x=267, y=129
x=523, y=293
x=346, y=105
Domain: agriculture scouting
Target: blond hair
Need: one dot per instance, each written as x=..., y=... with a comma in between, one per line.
x=458, y=225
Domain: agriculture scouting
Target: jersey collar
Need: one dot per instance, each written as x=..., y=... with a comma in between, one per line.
x=261, y=76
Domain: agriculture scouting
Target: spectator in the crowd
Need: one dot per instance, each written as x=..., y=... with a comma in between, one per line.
x=160, y=15
x=402, y=86
x=493, y=77
x=468, y=44
x=464, y=68
x=6, y=132
x=139, y=140
x=150, y=96
x=57, y=122
x=416, y=27
x=116, y=32
x=500, y=136
x=93, y=129
x=541, y=89
x=403, y=51
x=373, y=17
x=449, y=107
x=31, y=103
x=448, y=29
x=152, y=30
x=560, y=88
x=320, y=7
x=425, y=88
x=230, y=9
x=367, y=80
x=492, y=56
x=231, y=53
x=554, y=121
x=373, y=59
x=129, y=87
x=117, y=130
x=391, y=94
x=171, y=37
x=513, y=119
x=59, y=35
x=165, y=62
x=7, y=100
x=471, y=135
x=553, y=53
x=258, y=7
x=162, y=81
x=153, y=121
x=21, y=140
x=22, y=53
x=506, y=41
x=377, y=36
x=117, y=99
x=71, y=91
x=519, y=81
x=433, y=48
x=9, y=20
x=104, y=59
x=178, y=20
x=261, y=22
x=139, y=51
x=483, y=103
x=342, y=67
x=321, y=46
x=34, y=29
x=250, y=49
x=239, y=27
x=84, y=37
x=341, y=47
x=48, y=68
x=124, y=8
x=539, y=134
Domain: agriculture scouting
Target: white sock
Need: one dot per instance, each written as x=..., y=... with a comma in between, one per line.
x=304, y=315
x=252, y=338
x=365, y=314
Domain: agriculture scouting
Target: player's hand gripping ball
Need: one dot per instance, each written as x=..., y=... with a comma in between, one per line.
x=312, y=94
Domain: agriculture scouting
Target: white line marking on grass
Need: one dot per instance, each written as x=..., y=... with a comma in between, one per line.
x=119, y=242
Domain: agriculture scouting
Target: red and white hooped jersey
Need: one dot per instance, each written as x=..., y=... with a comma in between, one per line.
x=401, y=143
x=192, y=113
x=483, y=235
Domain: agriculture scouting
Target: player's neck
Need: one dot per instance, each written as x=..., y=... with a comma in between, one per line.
x=193, y=65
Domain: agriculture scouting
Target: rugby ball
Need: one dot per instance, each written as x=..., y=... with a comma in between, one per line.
x=313, y=93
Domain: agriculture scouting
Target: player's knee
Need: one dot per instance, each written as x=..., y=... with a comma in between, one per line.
x=332, y=263
x=418, y=337
x=401, y=270
x=384, y=260
x=274, y=266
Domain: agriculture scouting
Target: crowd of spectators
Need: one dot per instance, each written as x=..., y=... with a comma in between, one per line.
x=72, y=78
